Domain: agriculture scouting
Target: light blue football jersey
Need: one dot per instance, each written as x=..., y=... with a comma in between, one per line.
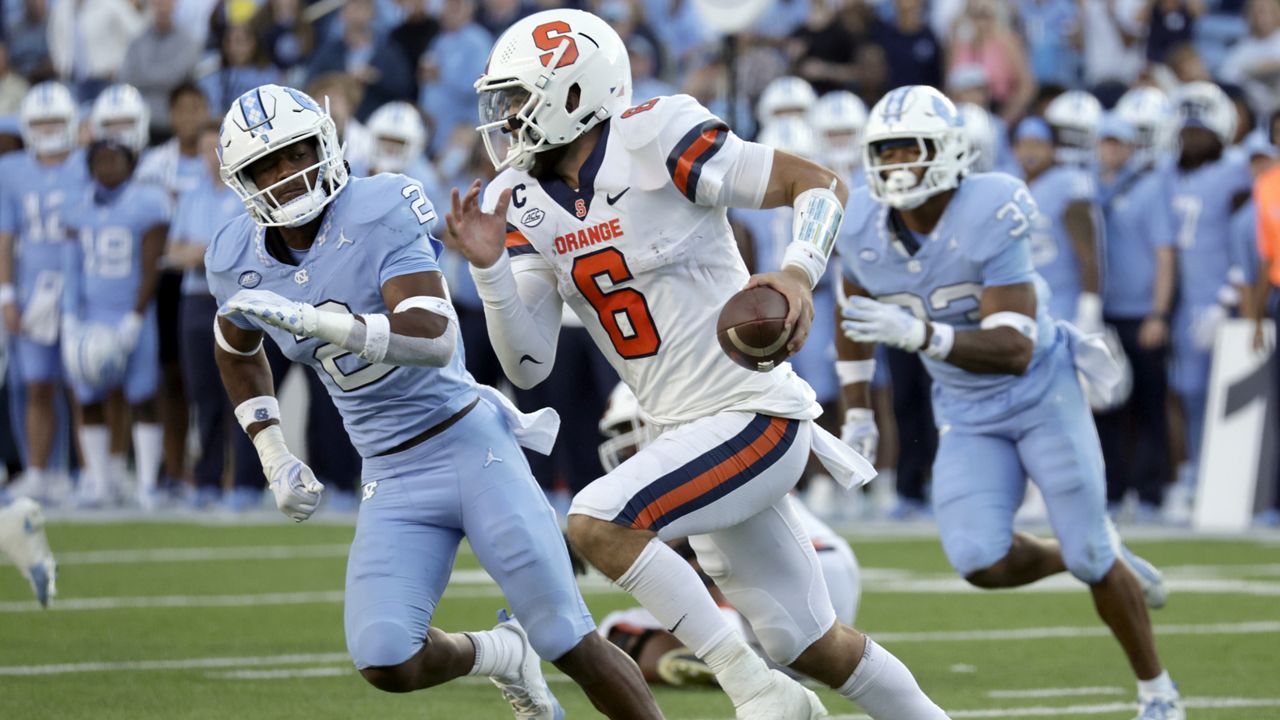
x=1052, y=251
x=33, y=199
x=198, y=215
x=375, y=230
x=1244, y=245
x=1138, y=221
x=982, y=240
x=1201, y=202
x=106, y=229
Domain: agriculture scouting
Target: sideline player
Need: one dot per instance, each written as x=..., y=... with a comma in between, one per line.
x=939, y=263
x=621, y=213
x=118, y=228
x=341, y=272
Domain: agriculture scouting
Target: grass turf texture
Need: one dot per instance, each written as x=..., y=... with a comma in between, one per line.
x=220, y=606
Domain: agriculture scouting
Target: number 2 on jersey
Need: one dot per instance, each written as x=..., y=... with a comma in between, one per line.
x=623, y=312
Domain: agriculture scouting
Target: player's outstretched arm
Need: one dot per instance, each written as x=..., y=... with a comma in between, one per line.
x=247, y=378
x=522, y=304
x=855, y=367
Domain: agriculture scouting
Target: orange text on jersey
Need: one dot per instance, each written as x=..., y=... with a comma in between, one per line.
x=601, y=232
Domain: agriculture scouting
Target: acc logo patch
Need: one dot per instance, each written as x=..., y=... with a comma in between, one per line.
x=250, y=279
x=533, y=218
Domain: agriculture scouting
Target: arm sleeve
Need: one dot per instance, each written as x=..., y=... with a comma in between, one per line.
x=522, y=307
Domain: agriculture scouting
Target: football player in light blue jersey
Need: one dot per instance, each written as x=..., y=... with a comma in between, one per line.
x=110, y=341
x=1063, y=239
x=838, y=118
x=1137, y=297
x=397, y=144
x=342, y=274
x=1209, y=182
x=939, y=263
x=34, y=188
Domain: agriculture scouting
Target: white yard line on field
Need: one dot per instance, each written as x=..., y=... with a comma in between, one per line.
x=181, y=664
x=284, y=673
x=1197, y=703
x=198, y=554
x=1057, y=692
x=1045, y=633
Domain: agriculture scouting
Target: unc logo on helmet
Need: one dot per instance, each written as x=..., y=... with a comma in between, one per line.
x=919, y=116
x=264, y=121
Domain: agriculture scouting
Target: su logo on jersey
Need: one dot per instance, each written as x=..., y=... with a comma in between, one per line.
x=580, y=208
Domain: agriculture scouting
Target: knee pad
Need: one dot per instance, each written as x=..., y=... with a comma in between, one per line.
x=381, y=644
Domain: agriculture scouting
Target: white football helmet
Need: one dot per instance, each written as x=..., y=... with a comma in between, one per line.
x=1205, y=104
x=626, y=432
x=1074, y=116
x=792, y=135
x=838, y=118
x=919, y=115
x=1151, y=114
x=787, y=95
x=980, y=131
x=121, y=114
x=92, y=356
x=48, y=119
x=399, y=136
x=532, y=69
x=265, y=120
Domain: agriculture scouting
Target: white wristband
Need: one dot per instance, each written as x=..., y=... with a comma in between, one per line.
x=939, y=347
x=8, y=294
x=807, y=258
x=257, y=409
x=850, y=372
x=1024, y=324
x=377, y=328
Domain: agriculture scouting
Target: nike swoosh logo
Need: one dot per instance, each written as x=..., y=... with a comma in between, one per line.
x=672, y=629
x=531, y=359
x=615, y=198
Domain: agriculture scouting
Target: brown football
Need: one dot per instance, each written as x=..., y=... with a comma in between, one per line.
x=750, y=328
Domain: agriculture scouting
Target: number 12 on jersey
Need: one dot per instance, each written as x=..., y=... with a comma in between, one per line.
x=623, y=312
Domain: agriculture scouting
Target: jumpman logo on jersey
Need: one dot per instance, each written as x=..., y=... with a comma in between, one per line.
x=490, y=458
x=343, y=239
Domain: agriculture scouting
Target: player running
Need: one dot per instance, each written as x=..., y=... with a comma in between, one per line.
x=621, y=213
x=939, y=263
x=342, y=274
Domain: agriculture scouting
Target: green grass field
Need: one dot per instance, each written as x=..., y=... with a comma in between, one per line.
x=174, y=620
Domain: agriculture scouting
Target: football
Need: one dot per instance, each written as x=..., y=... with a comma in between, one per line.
x=750, y=328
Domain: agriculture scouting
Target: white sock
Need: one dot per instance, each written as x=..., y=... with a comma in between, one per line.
x=95, y=443
x=1157, y=686
x=148, y=449
x=668, y=587
x=883, y=687
x=498, y=653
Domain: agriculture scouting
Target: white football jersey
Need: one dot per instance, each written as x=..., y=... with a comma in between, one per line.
x=645, y=259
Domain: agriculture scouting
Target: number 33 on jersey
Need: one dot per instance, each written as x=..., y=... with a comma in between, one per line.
x=644, y=256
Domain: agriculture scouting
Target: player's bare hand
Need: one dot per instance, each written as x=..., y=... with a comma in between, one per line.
x=477, y=235
x=12, y=318
x=794, y=286
x=1261, y=343
x=1153, y=333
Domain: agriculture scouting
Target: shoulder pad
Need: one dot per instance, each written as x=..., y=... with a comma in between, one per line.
x=230, y=244
x=665, y=118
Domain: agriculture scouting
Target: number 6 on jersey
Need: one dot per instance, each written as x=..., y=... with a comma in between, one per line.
x=623, y=312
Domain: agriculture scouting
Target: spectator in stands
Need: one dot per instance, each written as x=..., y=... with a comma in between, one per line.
x=644, y=65
x=449, y=68
x=28, y=42
x=1187, y=66
x=1169, y=23
x=198, y=215
x=1112, y=41
x=824, y=50
x=88, y=40
x=244, y=66
x=498, y=15
x=374, y=63
x=342, y=93
x=416, y=30
x=913, y=51
x=983, y=36
x=195, y=17
x=157, y=61
x=1254, y=61
x=286, y=36
x=13, y=87
x=1052, y=29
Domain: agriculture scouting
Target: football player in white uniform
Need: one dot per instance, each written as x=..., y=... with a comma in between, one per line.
x=621, y=213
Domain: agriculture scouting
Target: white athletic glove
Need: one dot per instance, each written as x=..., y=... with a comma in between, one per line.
x=294, y=317
x=871, y=321
x=860, y=433
x=1204, y=326
x=128, y=330
x=1088, y=318
x=70, y=342
x=296, y=488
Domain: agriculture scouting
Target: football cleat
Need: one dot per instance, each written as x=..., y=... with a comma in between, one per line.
x=1152, y=582
x=1161, y=707
x=782, y=699
x=527, y=690
x=23, y=541
x=681, y=667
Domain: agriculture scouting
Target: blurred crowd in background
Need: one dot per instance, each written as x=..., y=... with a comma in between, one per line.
x=398, y=76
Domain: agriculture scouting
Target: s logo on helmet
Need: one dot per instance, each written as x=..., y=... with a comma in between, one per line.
x=544, y=39
x=580, y=207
